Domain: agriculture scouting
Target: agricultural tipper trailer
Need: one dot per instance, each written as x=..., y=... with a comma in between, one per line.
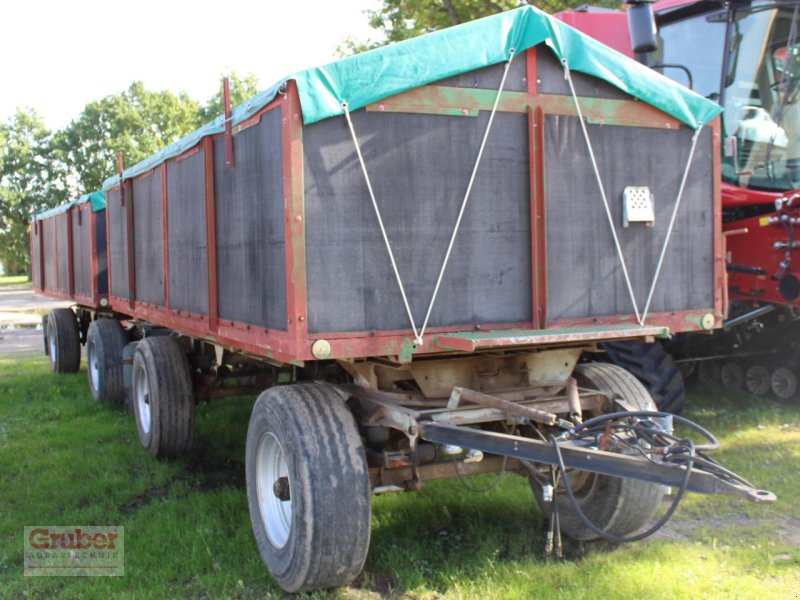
x=744, y=55
x=415, y=251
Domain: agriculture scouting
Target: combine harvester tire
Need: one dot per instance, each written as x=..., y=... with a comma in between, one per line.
x=653, y=366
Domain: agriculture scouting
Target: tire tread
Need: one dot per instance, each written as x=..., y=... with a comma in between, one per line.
x=68, y=344
x=333, y=478
x=109, y=339
x=172, y=396
x=651, y=364
x=618, y=506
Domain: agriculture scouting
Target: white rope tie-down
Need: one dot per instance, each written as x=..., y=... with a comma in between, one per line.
x=419, y=333
x=346, y=109
x=640, y=317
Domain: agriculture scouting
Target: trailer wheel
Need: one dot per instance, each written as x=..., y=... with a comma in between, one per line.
x=654, y=367
x=756, y=380
x=731, y=376
x=104, y=343
x=615, y=505
x=63, y=341
x=708, y=372
x=783, y=382
x=307, y=487
x=163, y=399
x=688, y=369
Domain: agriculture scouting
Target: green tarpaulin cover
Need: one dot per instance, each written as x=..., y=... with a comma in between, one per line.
x=97, y=199
x=372, y=76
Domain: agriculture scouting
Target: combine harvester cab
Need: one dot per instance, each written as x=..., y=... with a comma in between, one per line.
x=746, y=57
x=422, y=244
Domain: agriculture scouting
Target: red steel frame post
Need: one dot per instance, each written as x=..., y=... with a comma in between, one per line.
x=539, y=218
x=70, y=255
x=31, y=233
x=55, y=245
x=41, y=254
x=131, y=250
x=531, y=72
x=43, y=280
x=720, y=270
x=294, y=216
x=165, y=232
x=129, y=221
x=92, y=221
x=226, y=95
x=33, y=229
x=108, y=246
x=211, y=234
x=40, y=234
x=537, y=205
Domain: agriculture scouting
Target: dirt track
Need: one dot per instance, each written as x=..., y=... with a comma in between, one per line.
x=21, y=313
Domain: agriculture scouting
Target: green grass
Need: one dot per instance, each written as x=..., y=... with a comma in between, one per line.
x=66, y=460
x=13, y=279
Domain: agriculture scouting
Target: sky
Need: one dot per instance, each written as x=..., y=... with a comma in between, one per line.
x=57, y=56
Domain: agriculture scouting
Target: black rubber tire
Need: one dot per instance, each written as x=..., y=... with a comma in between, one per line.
x=617, y=506
x=63, y=339
x=732, y=376
x=757, y=380
x=168, y=393
x=708, y=372
x=653, y=366
x=784, y=383
x=327, y=539
x=104, y=343
x=688, y=371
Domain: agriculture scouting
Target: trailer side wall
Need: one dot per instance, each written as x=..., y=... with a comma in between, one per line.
x=283, y=247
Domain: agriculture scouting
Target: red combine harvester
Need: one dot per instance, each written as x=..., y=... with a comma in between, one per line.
x=414, y=252
x=744, y=55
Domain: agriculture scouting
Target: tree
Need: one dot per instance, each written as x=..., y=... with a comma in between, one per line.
x=398, y=20
x=242, y=88
x=31, y=180
x=404, y=19
x=137, y=122
x=39, y=170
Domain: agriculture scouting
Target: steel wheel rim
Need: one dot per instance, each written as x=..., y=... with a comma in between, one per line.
x=276, y=514
x=52, y=341
x=708, y=372
x=757, y=380
x=687, y=369
x=783, y=383
x=141, y=391
x=94, y=371
x=732, y=376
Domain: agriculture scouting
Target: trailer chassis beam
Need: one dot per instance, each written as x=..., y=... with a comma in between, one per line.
x=586, y=459
x=448, y=425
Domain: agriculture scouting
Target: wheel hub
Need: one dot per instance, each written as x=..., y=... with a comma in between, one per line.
x=274, y=490
x=281, y=489
x=94, y=371
x=784, y=383
x=52, y=340
x=141, y=391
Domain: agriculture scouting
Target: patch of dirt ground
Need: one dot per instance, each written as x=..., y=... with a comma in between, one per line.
x=787, y=529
